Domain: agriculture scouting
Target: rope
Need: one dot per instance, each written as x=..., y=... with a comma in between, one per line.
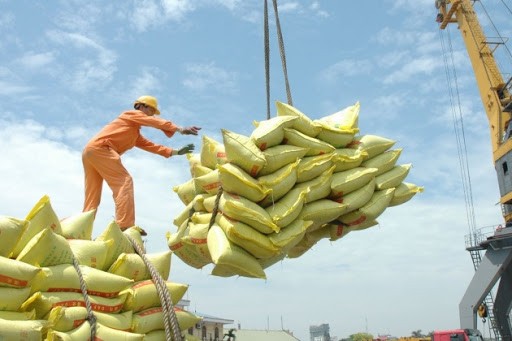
x=91, y=318
x=172, y=330
x=267, y=58
x=215, y=207
x=283, y=56
x=267, y=55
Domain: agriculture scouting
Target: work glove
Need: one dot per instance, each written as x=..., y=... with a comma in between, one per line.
x=192, y=130
x=189, y=148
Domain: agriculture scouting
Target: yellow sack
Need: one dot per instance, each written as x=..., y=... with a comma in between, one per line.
x=11, y=230
x=279, y=156
x=339, y=128
x=131, y=265
x=241, y=209
x=92, y=253
x=319, y=187
x=359, y=197
x=121, y=242
x=201, y=218
x=193, y=160
x=221, y=270
x=119, y=321
x=65, y=319
x=143, y=295
x=199, y=170
x=314, y=146
x=16, y=274
x=393, y=177
x=226, y=253
x=212, y=154
x=311, y=167
x=304, y=245
x=43, y=302
x=242, y=151
x=187, y=252
x=23, y=330
x=235, y=180
x=185, y=213
x=321, y=212
x=268, y=262
x=208, y=183
x=404, y=192
x=186, y=191
x=371, y=210
x=383, y=162
x=347, y=158
x=288, y=208
x=11, y=299
x=153, y=319
x=46, y=249
x=336, y=137
x=196, y=238
x=78, y=226
x=321, y=233
x=270, y=133
x=83, y=332
x=278, y=183
x=291, y=235
x=17, y=316
x=373, y=145
x=252, y=241
x=348, y=181
x=40, y=217
x=345, y=119
x=303, y=124
x=337, y=230
x=64, y=277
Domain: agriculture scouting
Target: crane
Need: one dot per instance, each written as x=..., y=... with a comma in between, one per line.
x=496, y=264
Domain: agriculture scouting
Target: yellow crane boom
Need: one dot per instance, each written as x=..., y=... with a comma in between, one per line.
x=493, y=91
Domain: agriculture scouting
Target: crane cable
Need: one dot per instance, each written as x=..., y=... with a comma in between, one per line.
x=267, y=55
x=458, y=123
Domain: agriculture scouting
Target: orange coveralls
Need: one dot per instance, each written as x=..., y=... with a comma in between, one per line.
x=102, y=161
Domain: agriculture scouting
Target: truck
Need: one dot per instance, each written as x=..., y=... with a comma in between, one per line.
x=457, y=335
x=496, y=263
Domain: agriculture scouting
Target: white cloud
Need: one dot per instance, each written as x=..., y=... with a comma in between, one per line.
x=207, y=76
x=6, y=20
x=413, y=68
x=9, y=89
x=35, y=60
x=90, y=72
x=346, y=68
x=150, y=13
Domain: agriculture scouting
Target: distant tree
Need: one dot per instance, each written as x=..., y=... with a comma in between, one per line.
x=361, y=337
x=417, y=333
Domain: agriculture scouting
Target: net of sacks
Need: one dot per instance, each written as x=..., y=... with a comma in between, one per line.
x=254, y=200
x=42, y=296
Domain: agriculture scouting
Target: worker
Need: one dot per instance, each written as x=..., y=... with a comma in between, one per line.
x=101, y=156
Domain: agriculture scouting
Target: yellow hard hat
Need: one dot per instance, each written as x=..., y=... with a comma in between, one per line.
x=149, y=101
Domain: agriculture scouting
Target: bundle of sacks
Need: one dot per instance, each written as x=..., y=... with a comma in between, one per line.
x=40, y=290
x=277, y=192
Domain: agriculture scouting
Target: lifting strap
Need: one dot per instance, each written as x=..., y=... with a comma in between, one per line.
x=267, y=56
x=172, y=329
x=91, y=318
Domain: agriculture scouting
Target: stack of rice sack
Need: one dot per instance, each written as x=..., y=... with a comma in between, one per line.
x=41, y=296
x=291, y=183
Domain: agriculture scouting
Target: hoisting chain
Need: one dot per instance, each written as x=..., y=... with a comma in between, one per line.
x=91, y=318
x=172, y=330
x=267, y=55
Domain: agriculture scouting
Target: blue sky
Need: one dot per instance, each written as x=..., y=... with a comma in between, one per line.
x=69, y=67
